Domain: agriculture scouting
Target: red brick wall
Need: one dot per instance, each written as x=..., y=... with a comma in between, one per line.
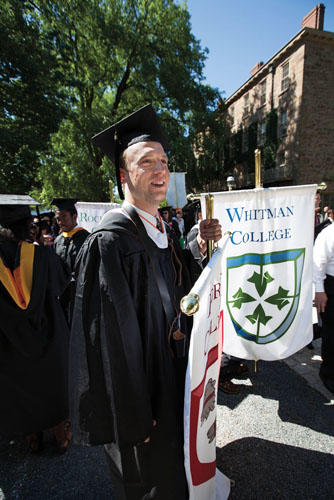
x=316, y=145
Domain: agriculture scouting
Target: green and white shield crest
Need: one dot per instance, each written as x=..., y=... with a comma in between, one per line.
x=263, y=292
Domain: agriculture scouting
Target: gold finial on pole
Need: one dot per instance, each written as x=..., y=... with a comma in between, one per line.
x=209, y=215
x=258, y=179
x=190, y=304
x=322, y=186
x=111, y=191
x=194, y=196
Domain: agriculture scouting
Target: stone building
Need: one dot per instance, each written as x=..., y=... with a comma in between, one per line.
x=286, y=108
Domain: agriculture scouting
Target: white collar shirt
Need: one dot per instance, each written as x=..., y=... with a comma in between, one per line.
x=150, y=222
x=323, y=257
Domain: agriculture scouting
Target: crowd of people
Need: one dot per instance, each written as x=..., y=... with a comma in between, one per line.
x=92, y=330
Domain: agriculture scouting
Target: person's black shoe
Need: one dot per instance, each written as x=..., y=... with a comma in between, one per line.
x=228, y=387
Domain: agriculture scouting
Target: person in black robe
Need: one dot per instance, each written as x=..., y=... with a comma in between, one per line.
x=33, y=333
x=167, y=217
x=67, y=246
x=129, y=340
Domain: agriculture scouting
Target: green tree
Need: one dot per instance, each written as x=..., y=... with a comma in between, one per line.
x=210, y=136
x=32, y=105
x=115, y=57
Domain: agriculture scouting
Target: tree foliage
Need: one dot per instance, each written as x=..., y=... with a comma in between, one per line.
x=110, y=58
x=208, y=172
x=32, y=103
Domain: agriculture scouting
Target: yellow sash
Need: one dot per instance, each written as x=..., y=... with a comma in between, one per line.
x=71, y=233
x=19, y=283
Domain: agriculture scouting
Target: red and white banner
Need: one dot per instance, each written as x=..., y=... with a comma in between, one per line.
x=204, y=480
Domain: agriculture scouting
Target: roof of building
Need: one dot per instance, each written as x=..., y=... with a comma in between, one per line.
x=305, y=33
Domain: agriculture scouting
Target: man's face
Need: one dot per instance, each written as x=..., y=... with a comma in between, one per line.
x=146, y=176
x=65, y=220
x=33, y=230
x=317, y=201
x=165, y=215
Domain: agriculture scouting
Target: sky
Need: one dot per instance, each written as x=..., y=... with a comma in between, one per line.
x=241, y=33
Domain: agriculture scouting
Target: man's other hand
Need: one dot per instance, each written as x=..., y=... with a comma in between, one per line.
x=320, y=301
x=209, y=229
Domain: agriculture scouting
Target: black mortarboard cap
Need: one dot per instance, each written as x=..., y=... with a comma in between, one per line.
x=64, y=203
x=162, y=209
x=141, y=126
x=15, y=207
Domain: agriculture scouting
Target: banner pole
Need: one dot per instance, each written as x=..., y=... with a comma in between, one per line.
x=209, y=215
x=258, y=178
x=258, y=184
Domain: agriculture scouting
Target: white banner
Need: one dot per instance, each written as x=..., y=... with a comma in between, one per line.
x=267, y=270
x=176, y=194
x=201, y=389
x=90, y=214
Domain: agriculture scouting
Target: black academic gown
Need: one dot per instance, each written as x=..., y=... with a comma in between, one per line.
x=67, y=249
x=126, y=370
x=33, y=348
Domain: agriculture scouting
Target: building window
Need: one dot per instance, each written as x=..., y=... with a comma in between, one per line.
x=283, y=123
x=244, y=146
x=262, y=133
x=232, y=114
x=285, y=76
x=281, y=157
x=263, y=92
x=246, y=104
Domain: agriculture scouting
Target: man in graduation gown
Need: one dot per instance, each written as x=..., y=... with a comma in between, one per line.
x=129, y=341
x=67, y=246
x=33, y=332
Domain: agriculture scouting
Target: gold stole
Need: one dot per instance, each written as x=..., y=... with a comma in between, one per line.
x=19, y=283
x=71, y=233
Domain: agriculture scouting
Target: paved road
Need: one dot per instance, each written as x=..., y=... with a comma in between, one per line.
x=274, y=440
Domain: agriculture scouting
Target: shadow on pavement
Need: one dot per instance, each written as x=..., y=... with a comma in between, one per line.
x=267, y=470
x=79, y=474
x=298, y=402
